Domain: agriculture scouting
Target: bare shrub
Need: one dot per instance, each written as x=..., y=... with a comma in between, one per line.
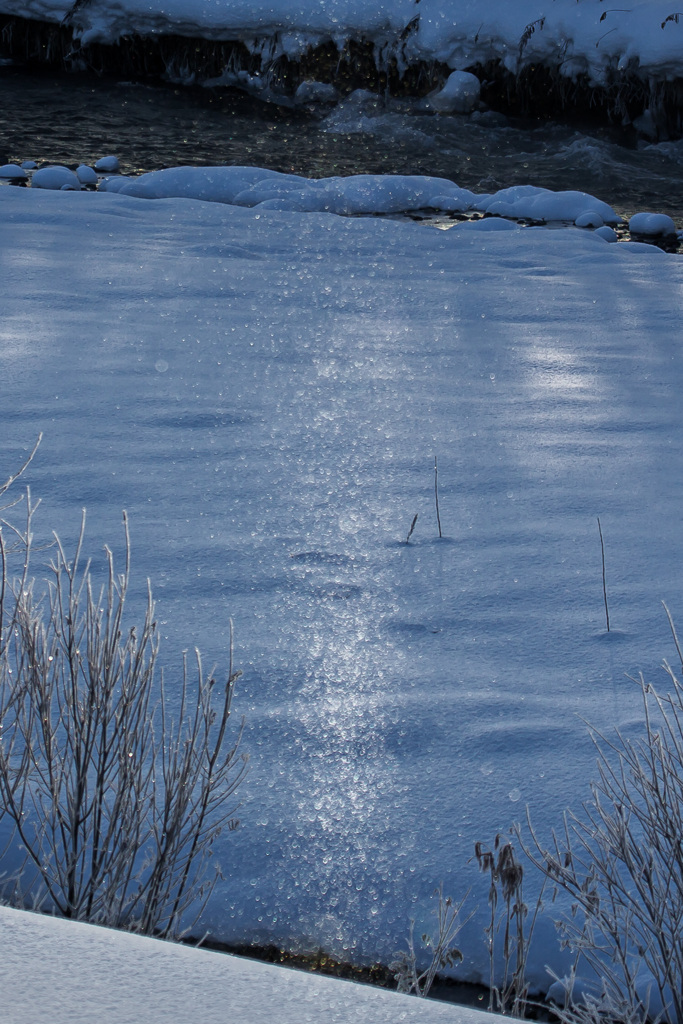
x=620, y=860
x=115, y=799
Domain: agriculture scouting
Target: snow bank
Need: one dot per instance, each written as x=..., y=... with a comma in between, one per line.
x=571, y=37
x=64, y=972
x=356, y=194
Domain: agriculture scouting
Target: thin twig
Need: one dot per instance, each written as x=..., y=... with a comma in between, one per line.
x=412, y=527
x=436, y=495
x=674, y=634
x=15, y=476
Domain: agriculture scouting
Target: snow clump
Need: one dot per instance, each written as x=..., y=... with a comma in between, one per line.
x=653, y=225
x=528, y=202
x=86, y=175
x=56, y=178
x=108, y=165
x=316, y=92
x=12, y=172
x=459, y=95
x=590, y=219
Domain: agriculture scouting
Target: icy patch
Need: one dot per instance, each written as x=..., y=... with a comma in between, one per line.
x=297, y=375
x=489, y=224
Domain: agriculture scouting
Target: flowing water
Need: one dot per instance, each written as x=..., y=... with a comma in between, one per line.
x=75, y=119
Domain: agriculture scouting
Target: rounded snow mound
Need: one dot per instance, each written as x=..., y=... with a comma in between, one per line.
x=360, y=194
x=459, y=95
x=12, y=172
x=651, y=225
x=56, y=178
x=527, y=202
x=108, y=165
x=86, y=175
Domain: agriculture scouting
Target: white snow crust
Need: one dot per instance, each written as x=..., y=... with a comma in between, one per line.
x=265, y=391
x=570, y=36
x=64, y=972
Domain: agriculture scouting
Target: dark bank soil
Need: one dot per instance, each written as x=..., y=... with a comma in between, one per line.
x=444, y=989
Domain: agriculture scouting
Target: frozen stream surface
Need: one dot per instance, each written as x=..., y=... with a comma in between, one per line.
x=265, y=393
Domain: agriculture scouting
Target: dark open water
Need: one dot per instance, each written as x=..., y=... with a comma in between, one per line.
x=74, y=119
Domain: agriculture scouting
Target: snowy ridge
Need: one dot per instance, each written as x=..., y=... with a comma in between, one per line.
x=574, y=38
x=129, y=979
x=369, y=194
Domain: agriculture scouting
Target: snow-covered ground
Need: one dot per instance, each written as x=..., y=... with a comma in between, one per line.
x=63, y=972
x=265, y=391
x=583, y=37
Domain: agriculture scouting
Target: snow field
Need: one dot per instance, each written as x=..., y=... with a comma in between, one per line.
x=265, y=391
x=125, y=979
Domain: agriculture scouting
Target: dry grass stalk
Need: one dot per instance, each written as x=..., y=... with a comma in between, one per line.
x=442, y=951
x=506, y=876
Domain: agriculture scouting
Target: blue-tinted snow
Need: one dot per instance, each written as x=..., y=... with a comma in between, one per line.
x=576, y=39
x=265, y=393
x=65, y=972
